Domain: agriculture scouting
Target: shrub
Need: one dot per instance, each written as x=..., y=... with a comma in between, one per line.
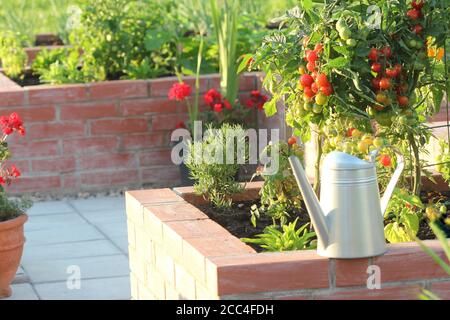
x=12, y=55
x=214, y=174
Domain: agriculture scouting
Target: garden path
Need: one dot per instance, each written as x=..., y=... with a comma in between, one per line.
x=85, y=237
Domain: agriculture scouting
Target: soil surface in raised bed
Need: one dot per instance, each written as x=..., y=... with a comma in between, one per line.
x=237, y=219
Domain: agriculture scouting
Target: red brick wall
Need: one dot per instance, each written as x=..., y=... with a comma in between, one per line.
x=97, y=136
x=177, y=252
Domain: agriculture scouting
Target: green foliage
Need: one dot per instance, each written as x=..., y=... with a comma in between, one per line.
x=402, y=217
x=31, y=17
x=443, y=160
x=280, y=193
x=12, y=208
x=287, y=239
x=214, y=173
x=12, y=54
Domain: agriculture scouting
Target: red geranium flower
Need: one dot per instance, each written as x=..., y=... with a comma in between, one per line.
x=212, y=97
x=179, y=91
x=14, y=172
x=256, y=99
x=180, y=125
x=218, y=107
x=227, y=104
x=11, y=124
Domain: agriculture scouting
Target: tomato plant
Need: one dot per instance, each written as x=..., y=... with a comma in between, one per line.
x=369, y=76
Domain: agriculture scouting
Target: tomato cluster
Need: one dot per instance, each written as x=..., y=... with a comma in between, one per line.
x=358, y=143
x=315, y=85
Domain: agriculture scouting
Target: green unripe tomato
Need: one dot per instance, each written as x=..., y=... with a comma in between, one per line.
x=419, y=44
x=307, y=106
x=371, y=111
x=351, y=42
x=443, y=209
x=411, y=43
x=345, y=34
x=317, y=109
x=341, y=24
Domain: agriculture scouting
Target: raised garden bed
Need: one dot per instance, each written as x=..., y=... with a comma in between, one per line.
x=93, y=136
x=177, y=252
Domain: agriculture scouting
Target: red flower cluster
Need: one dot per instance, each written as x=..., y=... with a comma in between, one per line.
x=8, y=175
x=256, y=99
x=180, y=125
x=11, y=124
x=214, y=100
x=179, y=91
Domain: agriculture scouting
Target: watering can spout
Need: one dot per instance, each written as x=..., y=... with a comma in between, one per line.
x=312, y=203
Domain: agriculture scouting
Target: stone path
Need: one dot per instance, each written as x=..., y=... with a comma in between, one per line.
x=66, y=238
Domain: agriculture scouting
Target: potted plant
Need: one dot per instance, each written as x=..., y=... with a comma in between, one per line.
x=12, y=211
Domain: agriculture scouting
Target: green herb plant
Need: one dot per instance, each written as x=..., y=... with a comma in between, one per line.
x=214, y=174
x=443, y=160
x=279, y=193
x=285, y=238
x=12, y=54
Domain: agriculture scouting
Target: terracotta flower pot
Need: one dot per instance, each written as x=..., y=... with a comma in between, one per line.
x=11, y=248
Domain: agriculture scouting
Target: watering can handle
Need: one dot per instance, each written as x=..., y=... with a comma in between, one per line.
x=395, y=177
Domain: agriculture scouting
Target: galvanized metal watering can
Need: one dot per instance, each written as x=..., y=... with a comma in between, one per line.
x=349, y=218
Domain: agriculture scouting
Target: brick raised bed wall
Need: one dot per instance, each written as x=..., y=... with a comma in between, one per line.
x=99, y=135
x=177, y=252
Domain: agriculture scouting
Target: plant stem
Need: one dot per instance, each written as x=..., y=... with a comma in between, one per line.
x=416, y=163
x=317, y=164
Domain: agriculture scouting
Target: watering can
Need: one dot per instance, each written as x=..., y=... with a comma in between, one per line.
x=348, y=220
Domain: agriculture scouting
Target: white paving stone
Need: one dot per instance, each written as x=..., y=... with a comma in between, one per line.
x=54, y=221
x=121, y=242
x=22, y=291
x=90, y=267
x=99, y=203
x=113, y=230
x=105, y=216
x=70, y=250
x=49, y=207
x=93, y=289
x=61, y=235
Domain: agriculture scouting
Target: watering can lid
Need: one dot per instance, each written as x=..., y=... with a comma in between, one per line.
x=343, y=161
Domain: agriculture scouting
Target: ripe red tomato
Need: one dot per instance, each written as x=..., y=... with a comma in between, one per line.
x=373, y=55
x=413, y=14
x=385, y=84
x=385, y=160
x=306, y=80
x=350, y=132
x=312, y=56
x=326, y=90
x=309, y=94
x=417, y=4
x=314, y=88
x=376, y=67
x=403, y=101
x=322, y=80
x=391, y=72
x=318, y=48
x=376, y=83
x=311, y=66
x=292, y=140
x=417, y=29
x=386, y=51
x=398, y=68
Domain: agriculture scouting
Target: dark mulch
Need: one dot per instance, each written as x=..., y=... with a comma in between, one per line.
x=237, y=219
x=28, y=79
